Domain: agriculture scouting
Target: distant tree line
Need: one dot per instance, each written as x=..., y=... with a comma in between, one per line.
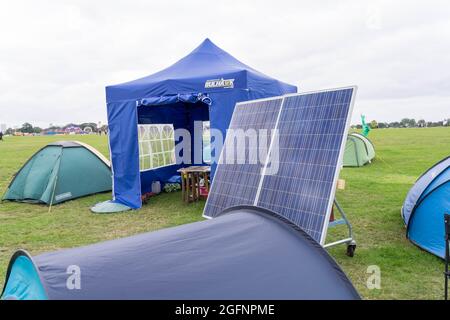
x=30, y=129
x=405, y=123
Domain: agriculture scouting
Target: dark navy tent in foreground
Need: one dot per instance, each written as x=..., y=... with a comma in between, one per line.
x=203, y=86
x=247, y=253
x=425, y=206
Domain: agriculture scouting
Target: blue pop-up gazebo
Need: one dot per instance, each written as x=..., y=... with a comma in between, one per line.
x=203, y=86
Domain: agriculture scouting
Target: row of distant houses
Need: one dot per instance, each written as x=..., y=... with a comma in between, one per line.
x=27, y=129
x=69, y=129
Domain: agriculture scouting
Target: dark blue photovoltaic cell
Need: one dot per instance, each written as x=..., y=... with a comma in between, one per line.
x=311, y=129
x=236, y=182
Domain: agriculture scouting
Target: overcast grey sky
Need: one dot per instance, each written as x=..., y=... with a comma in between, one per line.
x=57, y=56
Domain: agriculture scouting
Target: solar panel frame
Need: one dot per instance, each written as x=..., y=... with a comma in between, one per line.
x=339, y=157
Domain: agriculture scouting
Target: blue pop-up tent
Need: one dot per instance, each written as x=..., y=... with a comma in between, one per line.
x=425, y=206
x=203, y=86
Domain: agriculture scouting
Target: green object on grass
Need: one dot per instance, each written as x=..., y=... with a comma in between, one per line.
x=171, y=187
x=59, y=172
x=359, y=150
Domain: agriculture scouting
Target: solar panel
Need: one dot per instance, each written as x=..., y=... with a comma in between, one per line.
x=299, y=182
x=236, y=183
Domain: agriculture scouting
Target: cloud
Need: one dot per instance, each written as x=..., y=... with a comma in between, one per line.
x=56, y=57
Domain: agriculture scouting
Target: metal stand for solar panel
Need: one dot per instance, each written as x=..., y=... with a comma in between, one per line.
x=350, y=241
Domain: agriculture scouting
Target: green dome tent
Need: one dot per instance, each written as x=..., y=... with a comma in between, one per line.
x=358, y=151
x=59, y=172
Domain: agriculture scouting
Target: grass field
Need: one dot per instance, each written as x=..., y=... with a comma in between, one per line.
x=372, y=200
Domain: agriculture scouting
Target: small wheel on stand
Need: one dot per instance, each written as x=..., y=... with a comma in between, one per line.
x=351, y=249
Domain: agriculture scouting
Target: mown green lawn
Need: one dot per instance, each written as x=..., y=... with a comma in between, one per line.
x=372, y=200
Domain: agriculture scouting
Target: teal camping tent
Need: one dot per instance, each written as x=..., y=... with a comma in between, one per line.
x=59, y=172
